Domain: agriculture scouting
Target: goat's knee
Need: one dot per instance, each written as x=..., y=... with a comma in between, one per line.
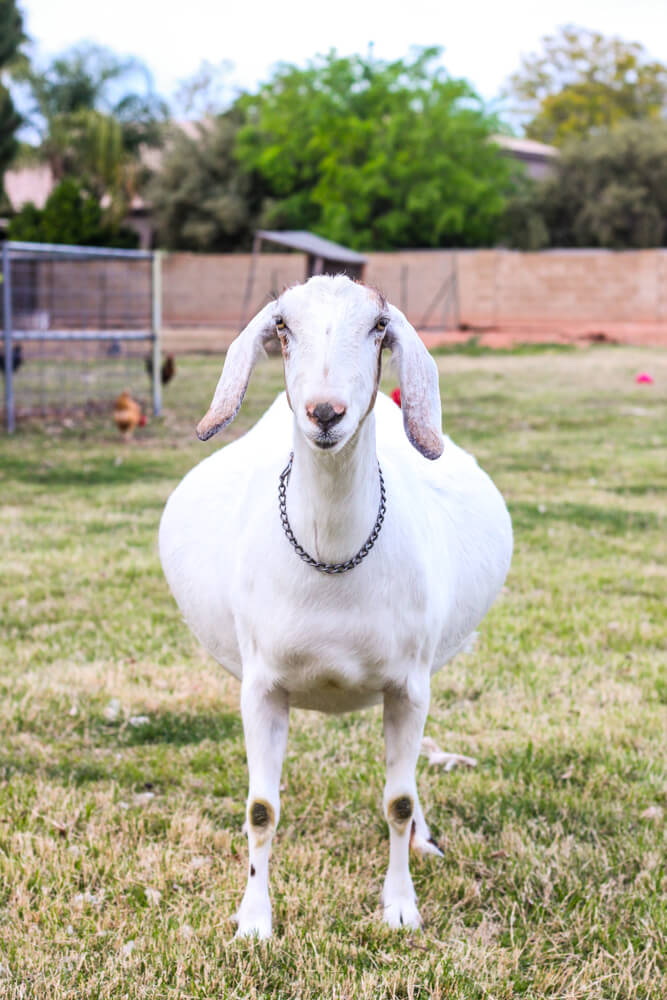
x=261, y=820
x=400, y=811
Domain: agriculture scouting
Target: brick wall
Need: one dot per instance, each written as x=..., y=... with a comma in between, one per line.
x=560, y=290
x=564, y=286
x=417, y=281
x=209, y=288
x=504, y=288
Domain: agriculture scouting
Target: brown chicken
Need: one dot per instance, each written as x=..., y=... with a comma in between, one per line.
x=167, y=370
x=127, y=415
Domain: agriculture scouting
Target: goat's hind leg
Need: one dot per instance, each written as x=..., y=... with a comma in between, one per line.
x=421, y=840
x=404, y=718
x=265, y=713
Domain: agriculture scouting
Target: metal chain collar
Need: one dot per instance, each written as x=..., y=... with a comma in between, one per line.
x=301, y=552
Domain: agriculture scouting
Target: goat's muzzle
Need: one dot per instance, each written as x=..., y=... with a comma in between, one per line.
x=325, y=415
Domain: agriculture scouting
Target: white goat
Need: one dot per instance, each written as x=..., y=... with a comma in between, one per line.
x=375, y=630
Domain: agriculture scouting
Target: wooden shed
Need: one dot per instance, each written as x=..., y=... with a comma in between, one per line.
x=322, y=256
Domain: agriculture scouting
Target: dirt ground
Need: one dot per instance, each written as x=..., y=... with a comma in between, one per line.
x=215, y=339
x=638, y=334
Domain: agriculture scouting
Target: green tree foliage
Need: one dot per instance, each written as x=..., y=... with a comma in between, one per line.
x=88, y=145
x=607, y=190
x=375, y=154
x=11, y=38
x=206, y=93
x=90, y=125
x=11, y=31
x=70, y=216
x=90, y=77
x=582, y=81
x=201, y=199
x=9, y=123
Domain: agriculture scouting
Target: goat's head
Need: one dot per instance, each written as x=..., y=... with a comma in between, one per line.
x=332, y=331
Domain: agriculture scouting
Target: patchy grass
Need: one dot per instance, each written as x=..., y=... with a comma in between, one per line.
x=473, y=347
x=121, y=852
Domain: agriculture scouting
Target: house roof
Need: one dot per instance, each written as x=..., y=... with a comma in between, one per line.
x=309, y=243
x=525, y=147
x=35, y=184
x=25, y=184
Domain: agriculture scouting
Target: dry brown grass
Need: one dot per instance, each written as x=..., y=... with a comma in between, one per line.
x=121, y=853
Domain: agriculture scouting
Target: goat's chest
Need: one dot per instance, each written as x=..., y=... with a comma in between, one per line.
x=333, y=642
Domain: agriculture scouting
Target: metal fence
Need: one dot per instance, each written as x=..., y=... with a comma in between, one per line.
x=81, y=325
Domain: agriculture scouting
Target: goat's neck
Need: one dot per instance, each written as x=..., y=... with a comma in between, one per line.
x=332, y=500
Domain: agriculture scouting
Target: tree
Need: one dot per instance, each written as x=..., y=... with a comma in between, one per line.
x=201, y=198
x=607, y=190
x=11, y=31
x=88, y=123
x=375, y=154
x=90, y=77
x=69, y=216
x=87, y=145
x=9, y=123
x=583, y=81
x=208, y=92
x=11, y=39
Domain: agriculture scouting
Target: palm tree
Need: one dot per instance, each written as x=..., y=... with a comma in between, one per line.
x=89, y=125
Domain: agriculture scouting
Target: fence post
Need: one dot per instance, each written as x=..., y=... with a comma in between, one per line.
x=457, y=303
x=256, y=244
x=9, y=347
x=405, y=274
x=156, y=323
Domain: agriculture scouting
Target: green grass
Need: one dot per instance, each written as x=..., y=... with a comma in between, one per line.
x=472, y=347
x=121, y=852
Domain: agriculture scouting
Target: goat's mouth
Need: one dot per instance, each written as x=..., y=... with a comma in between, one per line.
x=330, y=439
x=324, y=441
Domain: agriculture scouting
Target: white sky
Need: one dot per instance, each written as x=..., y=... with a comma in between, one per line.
x=483, y=40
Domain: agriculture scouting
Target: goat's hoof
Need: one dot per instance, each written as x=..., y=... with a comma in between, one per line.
x=260, y=929
x=253, y=921
x=402, y=912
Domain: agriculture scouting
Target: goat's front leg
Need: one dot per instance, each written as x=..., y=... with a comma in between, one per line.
x=265, y=713
x=404, y=719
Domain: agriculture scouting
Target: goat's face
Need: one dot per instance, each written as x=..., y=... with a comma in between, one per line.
x=332, y=331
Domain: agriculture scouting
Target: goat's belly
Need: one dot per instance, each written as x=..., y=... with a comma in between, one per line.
x=332, y=690
x=336, y=684
x=333, y=675
x=334, y=700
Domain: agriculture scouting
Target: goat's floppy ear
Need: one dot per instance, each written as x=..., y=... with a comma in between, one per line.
x=420, y=393
x=239, y=363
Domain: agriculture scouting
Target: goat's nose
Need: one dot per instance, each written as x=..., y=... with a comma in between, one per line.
x=325, y=415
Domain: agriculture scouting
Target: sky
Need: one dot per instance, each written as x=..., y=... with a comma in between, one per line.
x=483, y=40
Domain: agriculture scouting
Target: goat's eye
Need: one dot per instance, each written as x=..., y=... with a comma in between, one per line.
x=381, y=325
x=280, y=324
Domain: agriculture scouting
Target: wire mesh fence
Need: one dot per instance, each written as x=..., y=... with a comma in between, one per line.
x=81, y=325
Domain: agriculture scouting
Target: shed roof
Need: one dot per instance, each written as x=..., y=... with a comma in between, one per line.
x=525, y=147
x=317, y=246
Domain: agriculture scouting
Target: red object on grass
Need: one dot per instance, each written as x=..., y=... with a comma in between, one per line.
x=396, y=395
x=645, y=378
x=142, y=420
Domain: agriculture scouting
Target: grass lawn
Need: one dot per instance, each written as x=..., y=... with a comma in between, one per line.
x=121, y=852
